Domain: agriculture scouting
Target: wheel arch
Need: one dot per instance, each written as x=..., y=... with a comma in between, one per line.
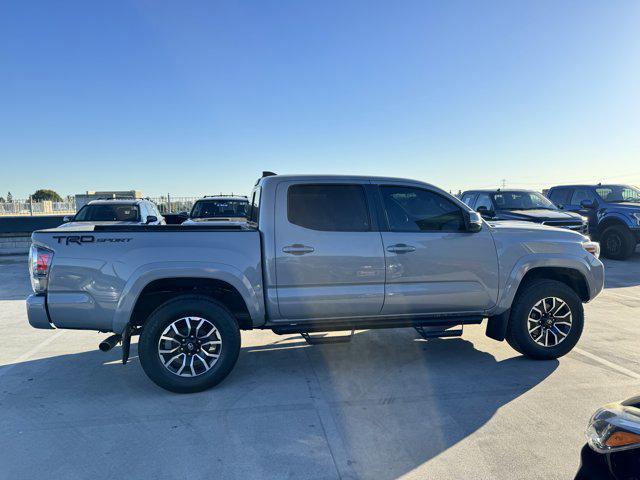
x=576, y=271
x=570, y=276
x=153, y=285
x=610, y=220
x=157, y=292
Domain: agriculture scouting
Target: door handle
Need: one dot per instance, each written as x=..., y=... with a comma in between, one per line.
x=400, y=248
x=298, y=249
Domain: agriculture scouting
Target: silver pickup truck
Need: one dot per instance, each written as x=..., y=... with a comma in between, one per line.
x=317, y=254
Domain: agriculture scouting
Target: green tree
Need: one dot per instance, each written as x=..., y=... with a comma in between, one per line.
x=44, y=194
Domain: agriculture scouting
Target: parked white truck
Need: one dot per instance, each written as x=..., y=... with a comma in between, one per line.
x=317, y=254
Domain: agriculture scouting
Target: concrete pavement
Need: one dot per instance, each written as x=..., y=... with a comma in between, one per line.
x=387, y=405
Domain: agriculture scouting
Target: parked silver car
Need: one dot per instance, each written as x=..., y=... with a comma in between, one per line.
x=116, y=212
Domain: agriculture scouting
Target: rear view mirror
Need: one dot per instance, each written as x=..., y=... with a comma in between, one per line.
x=151, y=219
x=474, y=222
x=588, y=204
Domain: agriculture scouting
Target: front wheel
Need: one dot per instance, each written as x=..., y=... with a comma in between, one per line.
x=617, y=243
x=546, y=320
x=189, y=344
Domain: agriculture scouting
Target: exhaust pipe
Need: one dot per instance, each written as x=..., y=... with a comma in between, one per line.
x=110, y=342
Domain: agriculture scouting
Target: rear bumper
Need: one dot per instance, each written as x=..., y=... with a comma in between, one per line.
x=37, y=312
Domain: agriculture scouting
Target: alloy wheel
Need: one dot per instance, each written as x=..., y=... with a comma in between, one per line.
x=190, y=346
x=549, y=321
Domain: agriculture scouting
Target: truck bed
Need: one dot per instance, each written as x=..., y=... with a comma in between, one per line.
x=98, y=272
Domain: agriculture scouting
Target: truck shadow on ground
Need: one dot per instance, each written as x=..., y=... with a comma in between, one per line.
x=378, y=407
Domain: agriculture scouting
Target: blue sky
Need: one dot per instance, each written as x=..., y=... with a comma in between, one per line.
x=199, y=97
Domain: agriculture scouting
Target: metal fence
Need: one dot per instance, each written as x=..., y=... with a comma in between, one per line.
x=171, y=204
x=26, y=207
x=166, y=204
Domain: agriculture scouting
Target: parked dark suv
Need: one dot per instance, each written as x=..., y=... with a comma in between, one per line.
x=613, y=212
x=525, y=205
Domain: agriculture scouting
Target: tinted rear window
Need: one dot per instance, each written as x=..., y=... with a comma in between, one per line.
x=339, y=208
x=219, y=208
x=108, y=213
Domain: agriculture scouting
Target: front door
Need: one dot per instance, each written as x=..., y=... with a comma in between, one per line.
x=329, y=259
x=578, y=195
x=433, y=264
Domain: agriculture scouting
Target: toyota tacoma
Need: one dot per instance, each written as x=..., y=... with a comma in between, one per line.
x=316, y=254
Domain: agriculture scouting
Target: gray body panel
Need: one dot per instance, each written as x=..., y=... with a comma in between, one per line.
x=94, y=285
x=348, y=275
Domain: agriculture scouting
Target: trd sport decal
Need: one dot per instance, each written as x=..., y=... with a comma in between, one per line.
x=80, y=239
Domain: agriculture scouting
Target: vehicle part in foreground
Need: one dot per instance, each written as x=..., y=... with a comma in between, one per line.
x=314, y=254
x=613, y=443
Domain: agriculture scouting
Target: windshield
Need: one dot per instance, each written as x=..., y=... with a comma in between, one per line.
x=521, y=201
x=108, y=213
x=219, y=208
x=618, y=193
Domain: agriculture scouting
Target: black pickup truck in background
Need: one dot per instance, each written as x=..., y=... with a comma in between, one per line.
x=523, y=205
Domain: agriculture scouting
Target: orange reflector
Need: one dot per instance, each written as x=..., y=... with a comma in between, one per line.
x=620, y=439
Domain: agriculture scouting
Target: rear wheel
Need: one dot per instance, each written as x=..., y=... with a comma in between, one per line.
x=546, y=320
x=617, y=243
x=189, y=344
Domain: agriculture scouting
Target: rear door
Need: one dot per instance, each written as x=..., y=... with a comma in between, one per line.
x=433, y=264
x=329, y=256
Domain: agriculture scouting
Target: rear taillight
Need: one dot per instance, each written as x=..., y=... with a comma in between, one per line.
x=39, y=264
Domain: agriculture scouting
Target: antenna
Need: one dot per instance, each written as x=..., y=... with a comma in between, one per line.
x=503, y=183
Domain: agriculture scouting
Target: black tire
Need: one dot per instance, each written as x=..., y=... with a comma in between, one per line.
x=163, y=317
x=517, y=330
x=617, y=243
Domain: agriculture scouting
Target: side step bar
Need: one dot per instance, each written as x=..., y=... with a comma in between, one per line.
x=427, y=334
x=325, y=340
x=367, y=324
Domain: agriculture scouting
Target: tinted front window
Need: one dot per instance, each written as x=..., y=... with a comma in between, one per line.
x=340, y=208
x=219, y=208
x=618, y=193
x=108, y=213
x=484, y=200
x=581, y=194
x=468, y=198
x=521, y=201
x=414, y=210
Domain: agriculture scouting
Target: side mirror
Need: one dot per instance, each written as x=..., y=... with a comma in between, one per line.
x=151, y=219
x=590, y=204
x=66, y=219
x=485, y=212
x=474, y=222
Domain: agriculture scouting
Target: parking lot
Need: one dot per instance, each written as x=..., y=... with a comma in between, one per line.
x=385, y=405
